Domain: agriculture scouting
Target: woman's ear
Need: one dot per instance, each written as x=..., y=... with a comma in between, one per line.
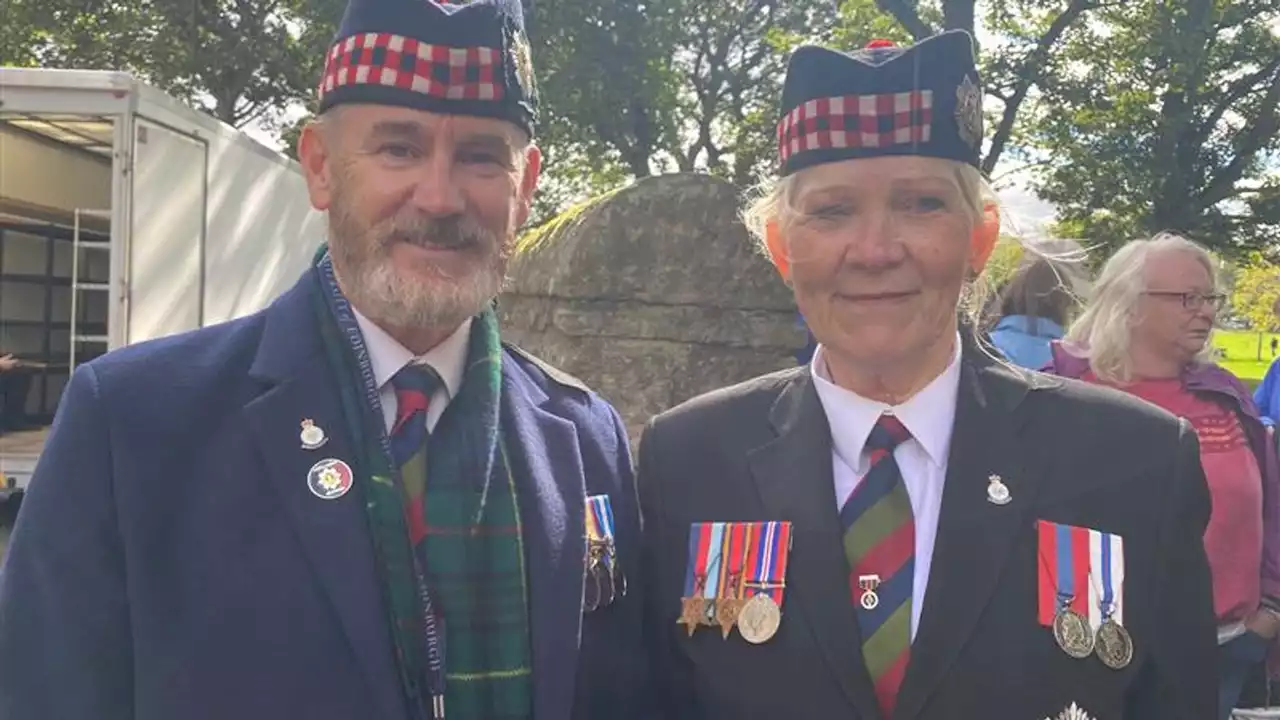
x=776, y=246
x=983, y=241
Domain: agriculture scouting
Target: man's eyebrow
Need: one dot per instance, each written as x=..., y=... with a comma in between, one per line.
x=488, y=141
x=397, y=128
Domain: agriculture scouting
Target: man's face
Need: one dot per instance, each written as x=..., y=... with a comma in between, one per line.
x=879, y=252
x=423, y=208
x=1176, y=312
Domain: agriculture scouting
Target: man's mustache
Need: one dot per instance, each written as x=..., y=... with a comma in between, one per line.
x=456, y=232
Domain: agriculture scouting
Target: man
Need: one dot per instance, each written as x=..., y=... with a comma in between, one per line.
x=15, y=386
x=357, y=503
x=1146, y=331
x=908, y=528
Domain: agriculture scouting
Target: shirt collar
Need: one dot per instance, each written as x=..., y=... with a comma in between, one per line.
x=388, y=356
x=929, y=414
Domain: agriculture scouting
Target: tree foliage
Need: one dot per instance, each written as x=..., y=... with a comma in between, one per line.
x=1255, y=293
x=242, y=61
x=1163, y=116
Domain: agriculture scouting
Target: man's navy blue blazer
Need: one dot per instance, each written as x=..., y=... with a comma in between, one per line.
x=171, y=563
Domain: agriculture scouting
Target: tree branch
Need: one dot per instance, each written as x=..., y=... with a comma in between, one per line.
x=1265, y=125
x=907, y=16
x=1235, y=92
x=1028, y=74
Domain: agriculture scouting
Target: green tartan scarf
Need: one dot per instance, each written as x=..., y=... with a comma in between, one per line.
x=472, y=558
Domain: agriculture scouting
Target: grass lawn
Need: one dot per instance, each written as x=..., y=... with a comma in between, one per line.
x=1247, y=353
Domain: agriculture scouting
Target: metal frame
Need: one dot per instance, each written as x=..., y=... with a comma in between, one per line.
x=77, y=285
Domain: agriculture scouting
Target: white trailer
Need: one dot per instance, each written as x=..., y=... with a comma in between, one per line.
x=125, y=215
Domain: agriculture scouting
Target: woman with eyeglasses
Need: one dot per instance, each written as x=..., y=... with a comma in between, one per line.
x=1146, y=331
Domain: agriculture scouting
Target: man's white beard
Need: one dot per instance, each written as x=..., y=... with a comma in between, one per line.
x=389, y=298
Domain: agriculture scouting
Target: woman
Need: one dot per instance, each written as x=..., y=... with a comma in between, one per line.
x=876, y=533
x=1147, y=332
x=1035, y=305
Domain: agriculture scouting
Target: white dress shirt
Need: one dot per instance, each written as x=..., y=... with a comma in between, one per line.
x=388, y=356
x=929, y=415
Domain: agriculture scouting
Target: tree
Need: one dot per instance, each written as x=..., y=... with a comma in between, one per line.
x=1164, y=117
x=1255, y=293
x=242, y=61
x=1026, y=36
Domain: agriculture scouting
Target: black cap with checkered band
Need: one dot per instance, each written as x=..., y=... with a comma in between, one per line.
x=448, y=56
x=881, y=100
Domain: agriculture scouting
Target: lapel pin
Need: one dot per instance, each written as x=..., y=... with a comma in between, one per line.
x=312, y=435
x=997, y=491
x=330, y=479
x=869, y=584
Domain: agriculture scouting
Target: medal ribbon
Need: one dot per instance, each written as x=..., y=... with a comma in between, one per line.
x=1064, y=570
x=600, y=524
x=714, y=561
x=731, y=580
x=699, y=548
x=1107, y=574
x=767, y=559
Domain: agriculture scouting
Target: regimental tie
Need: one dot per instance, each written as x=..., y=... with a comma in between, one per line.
x=879, y=543
x=414, y=385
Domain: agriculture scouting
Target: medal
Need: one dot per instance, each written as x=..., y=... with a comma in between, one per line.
x=1114, y=646
x=729, y=599
x=602, y=553
x=312, y=435
x=694, y=610
x=1063, y=556
x=1072, y=633
x=760, y=619
x=869, y=599
x=766, y=572
x=1112, y=642
x=690, y=613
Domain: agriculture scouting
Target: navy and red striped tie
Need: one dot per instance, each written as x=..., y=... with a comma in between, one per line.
x=413, y=385
x=879, y=542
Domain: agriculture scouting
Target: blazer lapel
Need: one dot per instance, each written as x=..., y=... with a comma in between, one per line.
x=793, y=475
x=334, y=533
x=974, y=535
x=547, y=465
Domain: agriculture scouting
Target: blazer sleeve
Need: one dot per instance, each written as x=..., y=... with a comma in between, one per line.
x=1181, y=680
x=670, y=675
x=65, y=648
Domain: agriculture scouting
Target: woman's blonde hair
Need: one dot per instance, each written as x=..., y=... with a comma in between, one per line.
x=1103, y=332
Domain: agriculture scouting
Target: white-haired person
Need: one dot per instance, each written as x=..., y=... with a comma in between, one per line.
x=1146, y=331
x=906, y=526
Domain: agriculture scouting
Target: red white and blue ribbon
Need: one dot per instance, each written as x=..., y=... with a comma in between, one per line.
x=767, y=553
x=1082, y=569
x=600, y=524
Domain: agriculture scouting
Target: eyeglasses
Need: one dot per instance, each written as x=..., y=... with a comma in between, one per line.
x=1191, y=300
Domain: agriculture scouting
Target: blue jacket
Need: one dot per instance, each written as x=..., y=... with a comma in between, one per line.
x=170, y=561
x=1267, y=394
x=1013, y=336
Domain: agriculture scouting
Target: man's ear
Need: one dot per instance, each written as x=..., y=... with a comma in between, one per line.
x=777, y=248
x=528, y=183
x=985, y=236
x=314, y=154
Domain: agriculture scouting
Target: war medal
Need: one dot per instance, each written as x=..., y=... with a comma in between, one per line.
x=1112, y=642
x=1064, y=586
x=766, y=572
x=602, y=554
x=729, y=601
x=693, y=605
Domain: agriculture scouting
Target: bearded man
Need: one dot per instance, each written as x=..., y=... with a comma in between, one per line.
x=358, y=503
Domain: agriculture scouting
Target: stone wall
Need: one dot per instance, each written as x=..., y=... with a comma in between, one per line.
x=652, y=295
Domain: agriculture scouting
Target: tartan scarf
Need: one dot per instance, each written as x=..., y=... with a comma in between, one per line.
x=471, y=561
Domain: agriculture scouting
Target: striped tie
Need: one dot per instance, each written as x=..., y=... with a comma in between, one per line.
x=414, y=385
x=879, y=540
